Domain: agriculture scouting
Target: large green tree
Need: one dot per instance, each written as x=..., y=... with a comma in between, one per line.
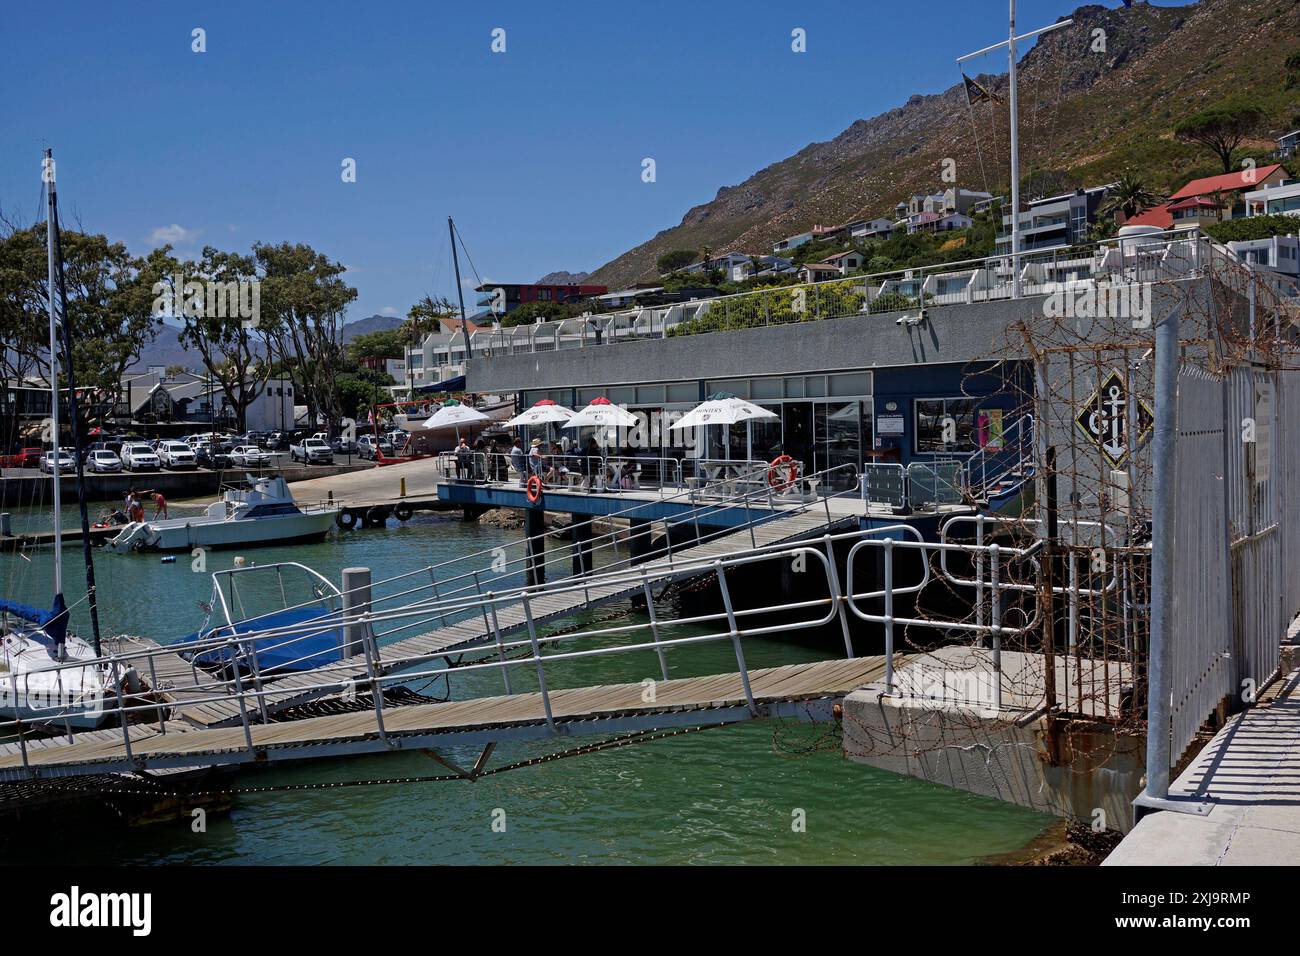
x=303, y=303
x=1130, y=196
x=1221, y=128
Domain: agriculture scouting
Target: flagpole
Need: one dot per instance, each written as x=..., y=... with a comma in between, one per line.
x=1015, y=158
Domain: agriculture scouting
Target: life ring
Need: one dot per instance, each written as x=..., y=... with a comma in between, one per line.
x=403, y=512
x=533, y=488
x=773, y=472
x=346, y=519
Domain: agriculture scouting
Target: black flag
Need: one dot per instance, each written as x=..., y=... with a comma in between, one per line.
x=976, y=93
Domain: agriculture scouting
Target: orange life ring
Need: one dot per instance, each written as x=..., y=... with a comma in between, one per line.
x=773, y=472
x=533, y=488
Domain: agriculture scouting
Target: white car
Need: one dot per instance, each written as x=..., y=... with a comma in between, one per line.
x=249, y=456
x=176, y=454
x=103, y=460
x=139, y=457
x=66, y=462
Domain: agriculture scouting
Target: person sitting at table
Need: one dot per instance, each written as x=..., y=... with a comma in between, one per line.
x=559, y=463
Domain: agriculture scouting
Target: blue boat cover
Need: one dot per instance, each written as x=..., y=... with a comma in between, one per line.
x=54, y=621
x=280, y=653
x=455, y=384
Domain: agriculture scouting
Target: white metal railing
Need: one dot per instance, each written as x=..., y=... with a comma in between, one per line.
x=732, y=623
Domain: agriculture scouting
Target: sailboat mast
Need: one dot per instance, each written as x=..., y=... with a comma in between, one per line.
x=1015, y=158
x=455, y=261
x=47, y=173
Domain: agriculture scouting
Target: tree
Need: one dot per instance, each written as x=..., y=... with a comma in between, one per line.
x=674, y=260
x=303, y=301
x=1130, y=196
x=424, y=317
x=174, y=370
x=1221, y=128
x=1293, y=70
x=234, y=348
x=110, y=302
x=531, y=312
x=386, y=343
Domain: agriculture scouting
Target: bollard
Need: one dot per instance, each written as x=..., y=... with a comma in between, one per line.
x=402, y=494
x=356, y=601
x=6, y=529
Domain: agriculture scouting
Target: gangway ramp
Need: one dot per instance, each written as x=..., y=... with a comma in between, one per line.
x=477, y=631
x=800, y=691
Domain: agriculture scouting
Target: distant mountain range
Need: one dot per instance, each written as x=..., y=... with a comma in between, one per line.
x=166, y=350
x=564, y=278
x=1096, y=98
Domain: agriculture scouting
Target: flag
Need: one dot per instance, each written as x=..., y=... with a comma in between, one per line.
x=976, y=93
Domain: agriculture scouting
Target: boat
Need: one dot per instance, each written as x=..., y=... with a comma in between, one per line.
x=263, y=513
x=290, y=620
x=41, y=679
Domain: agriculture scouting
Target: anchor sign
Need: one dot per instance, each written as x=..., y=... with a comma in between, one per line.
x=1104, y=419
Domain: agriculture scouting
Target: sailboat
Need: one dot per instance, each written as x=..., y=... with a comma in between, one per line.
x=48, y=675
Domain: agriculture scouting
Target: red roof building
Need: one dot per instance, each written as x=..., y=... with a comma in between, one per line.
x=1245, y=181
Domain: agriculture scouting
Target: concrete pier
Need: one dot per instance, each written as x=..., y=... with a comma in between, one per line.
x=942, y=725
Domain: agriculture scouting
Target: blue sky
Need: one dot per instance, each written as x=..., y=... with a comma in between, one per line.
x=536, y=151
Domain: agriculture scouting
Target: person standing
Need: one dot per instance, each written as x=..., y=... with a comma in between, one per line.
x=518, y=460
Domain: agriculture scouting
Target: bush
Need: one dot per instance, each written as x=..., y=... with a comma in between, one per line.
x=1255, y=227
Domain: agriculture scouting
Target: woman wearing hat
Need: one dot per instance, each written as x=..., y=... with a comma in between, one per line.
x=536, y=460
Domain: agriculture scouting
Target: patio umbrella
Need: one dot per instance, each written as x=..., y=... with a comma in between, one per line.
x=542, y=413
x=453, y=414
x=602, y=413
x=724, y=409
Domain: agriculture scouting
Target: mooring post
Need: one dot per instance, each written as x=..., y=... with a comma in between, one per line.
x=356, y=602
x=6, y=526
x=535, y=545
x=1163, y=502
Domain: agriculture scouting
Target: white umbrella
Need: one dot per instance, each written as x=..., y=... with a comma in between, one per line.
x=453, y=415
x=602, y=413
x=722, y=409
x=543, y=413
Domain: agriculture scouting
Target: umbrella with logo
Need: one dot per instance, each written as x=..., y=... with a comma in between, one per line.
x=724, y=409
x=454, y=414
x=602, y=413
x=542, y=413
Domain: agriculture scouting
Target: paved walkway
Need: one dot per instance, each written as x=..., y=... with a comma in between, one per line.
x=1251, y=772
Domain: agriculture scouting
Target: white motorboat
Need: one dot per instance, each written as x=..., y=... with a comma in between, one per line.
x=264, y=513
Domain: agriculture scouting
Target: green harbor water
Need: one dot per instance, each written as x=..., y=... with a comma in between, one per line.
x=729, y=795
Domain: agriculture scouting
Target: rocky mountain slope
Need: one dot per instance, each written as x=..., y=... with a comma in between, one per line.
x=1088, y=109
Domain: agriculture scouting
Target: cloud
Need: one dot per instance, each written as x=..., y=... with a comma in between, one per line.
x=389, y=310
x=174, y=234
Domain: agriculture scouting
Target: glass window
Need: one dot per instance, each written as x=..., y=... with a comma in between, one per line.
x=683, y=392
x=765, y=388
x=946, y=425
x=649, y=394
x=815, y=386
x=794, y=388
x=851, y=383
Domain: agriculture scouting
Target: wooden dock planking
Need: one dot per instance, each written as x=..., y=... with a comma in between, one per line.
x=791, y=682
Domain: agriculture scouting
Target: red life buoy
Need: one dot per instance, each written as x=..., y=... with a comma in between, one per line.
x=773, y=472
x=533, y=488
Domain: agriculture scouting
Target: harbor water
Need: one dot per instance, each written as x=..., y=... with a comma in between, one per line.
x=763, y=792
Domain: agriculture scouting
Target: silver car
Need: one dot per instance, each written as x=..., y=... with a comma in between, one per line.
x=104, y=461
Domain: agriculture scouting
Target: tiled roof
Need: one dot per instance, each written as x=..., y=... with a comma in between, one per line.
x=1228, y=182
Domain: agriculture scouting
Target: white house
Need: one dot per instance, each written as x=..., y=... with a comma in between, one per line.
x=1280, y=199
x=845, y=262
x=1280, y=254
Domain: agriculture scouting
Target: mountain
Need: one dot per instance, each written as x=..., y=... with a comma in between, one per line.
x=563, y=278
x=374, y=323
x=1091, y=104
x=166, y=349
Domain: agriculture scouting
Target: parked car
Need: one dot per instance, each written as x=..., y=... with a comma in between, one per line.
x=67, y=464
x=176, y=455
x=102, y=460
x=22, y=458
x=211, y=456
x=367, y=445
x=344, y=446
x=138, y=456
x=249, y=456
x=311, y=451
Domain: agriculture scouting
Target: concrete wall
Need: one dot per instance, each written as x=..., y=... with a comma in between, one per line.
x=952, y=333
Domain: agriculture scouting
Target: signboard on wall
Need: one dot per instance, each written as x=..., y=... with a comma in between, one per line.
x=889, y=425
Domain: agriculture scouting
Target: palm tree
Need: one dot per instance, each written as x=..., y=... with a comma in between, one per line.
x=1130, y=196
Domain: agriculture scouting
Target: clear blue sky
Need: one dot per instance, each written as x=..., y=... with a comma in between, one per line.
x=536, y=152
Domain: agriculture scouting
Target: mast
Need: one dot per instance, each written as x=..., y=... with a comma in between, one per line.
x=1010, y=43
x=74, y=422
x=1015, y=158
x=460, y=293
x=47, y=173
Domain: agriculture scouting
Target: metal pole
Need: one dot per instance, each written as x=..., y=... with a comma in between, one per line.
x=48, y=172
x=537, y=658
x=460, y=293
x=735, y=636
x=501, y=651
x=889, y=615
x=1160, y=651
x=654, y=623
x=995, y=607
x=1015, y=159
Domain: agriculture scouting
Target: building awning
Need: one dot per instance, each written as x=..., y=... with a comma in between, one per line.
x=456, y=384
